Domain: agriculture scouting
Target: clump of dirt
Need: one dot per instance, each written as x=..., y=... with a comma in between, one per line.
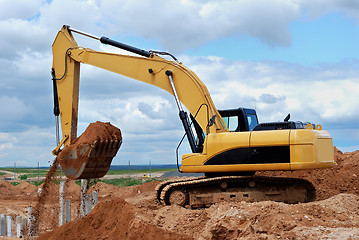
x=96, y=138
x=114, y=219
x=342, y=178
x=98, y=131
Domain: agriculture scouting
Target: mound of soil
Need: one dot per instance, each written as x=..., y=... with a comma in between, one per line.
x=342, y=178
x=105, y=190
x=27, y=187
x=72, y=188
x=6, y=188
x=114, y=219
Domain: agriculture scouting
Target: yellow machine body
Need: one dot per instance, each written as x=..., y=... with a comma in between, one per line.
x=282, y=149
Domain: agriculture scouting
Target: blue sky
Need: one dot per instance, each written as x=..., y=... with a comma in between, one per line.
x=280, y=57
x=328, y=38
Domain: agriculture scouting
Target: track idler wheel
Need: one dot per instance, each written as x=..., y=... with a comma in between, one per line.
x=177, y=197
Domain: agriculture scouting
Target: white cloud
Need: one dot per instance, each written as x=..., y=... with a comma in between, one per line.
x=23, y=9
x=325, y=93
x=180, y=25
x=148, y=116
x=12, y=109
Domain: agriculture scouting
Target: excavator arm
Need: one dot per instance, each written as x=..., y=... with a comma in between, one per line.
x=67, y=57
x=150, y=68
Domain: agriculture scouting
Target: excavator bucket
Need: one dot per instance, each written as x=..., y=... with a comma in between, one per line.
x=91, y=154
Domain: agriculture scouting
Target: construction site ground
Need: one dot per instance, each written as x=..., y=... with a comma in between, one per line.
x=133, y=213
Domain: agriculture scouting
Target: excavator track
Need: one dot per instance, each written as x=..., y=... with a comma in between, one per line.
x=162, y=185
x=203, y=192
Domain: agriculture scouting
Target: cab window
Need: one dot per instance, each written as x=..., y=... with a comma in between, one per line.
x=231, y=122
x=252, y=121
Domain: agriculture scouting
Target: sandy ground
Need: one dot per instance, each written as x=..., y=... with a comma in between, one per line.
x=133, y=212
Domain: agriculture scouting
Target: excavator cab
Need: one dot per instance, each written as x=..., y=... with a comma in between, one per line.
x=240, y=119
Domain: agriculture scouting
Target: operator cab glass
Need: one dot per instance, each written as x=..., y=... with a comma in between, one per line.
x=252, y=121
x=239, y=120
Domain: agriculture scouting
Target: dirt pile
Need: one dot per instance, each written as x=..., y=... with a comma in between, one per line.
x=342, y=178
x=91, y=154
x=7, y=189
x=263, y=220
x=115, y=219
x=27, y=188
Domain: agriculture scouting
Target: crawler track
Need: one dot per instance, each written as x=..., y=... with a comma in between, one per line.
x=203, y=192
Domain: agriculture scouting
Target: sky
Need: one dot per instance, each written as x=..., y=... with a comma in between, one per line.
x=281, y=56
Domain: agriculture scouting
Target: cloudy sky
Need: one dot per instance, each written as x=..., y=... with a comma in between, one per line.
x=282, y=56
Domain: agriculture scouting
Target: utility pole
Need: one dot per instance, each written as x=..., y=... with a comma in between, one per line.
x=38, y=175
x=129, y=164
x=150, y=168
x=14, y=171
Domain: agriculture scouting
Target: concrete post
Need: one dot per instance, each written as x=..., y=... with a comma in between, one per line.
x=61, y=203
x=87, y=204
x=94, y=199
x=19, y=233
x=9, y=226
x=68, y=210
x=84, y=184
x=30, y=228
x=24, y=226
x=2, y=225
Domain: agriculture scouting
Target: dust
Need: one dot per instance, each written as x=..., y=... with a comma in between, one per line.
x=42, y=197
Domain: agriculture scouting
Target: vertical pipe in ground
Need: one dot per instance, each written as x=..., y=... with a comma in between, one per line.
x=84, y=184
x=2, y=225
x=9, y=226
x=87, y=204
x=31, y=229
x=94, y=199
x=24, y=226
x=68, y=210
x=19, y=233
x=61, y=203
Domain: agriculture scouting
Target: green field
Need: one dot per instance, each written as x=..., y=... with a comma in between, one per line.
x=137, y=171
x=29, y=172
x=32, y=172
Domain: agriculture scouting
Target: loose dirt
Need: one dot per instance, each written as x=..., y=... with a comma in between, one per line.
x=133, y=212
x=342, y=178
x=98, y=137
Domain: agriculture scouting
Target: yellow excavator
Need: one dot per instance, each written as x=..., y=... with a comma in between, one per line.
x=228, y=146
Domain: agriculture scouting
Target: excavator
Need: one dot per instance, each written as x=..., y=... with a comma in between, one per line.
x=228, y=146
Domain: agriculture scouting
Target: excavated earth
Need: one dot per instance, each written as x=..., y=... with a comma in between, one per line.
x=133, y=213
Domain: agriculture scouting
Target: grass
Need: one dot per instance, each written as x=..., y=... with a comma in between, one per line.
x=2, y=173
x=30, y=172
x=36, y=183
x=119, y=182
x=142, y=171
